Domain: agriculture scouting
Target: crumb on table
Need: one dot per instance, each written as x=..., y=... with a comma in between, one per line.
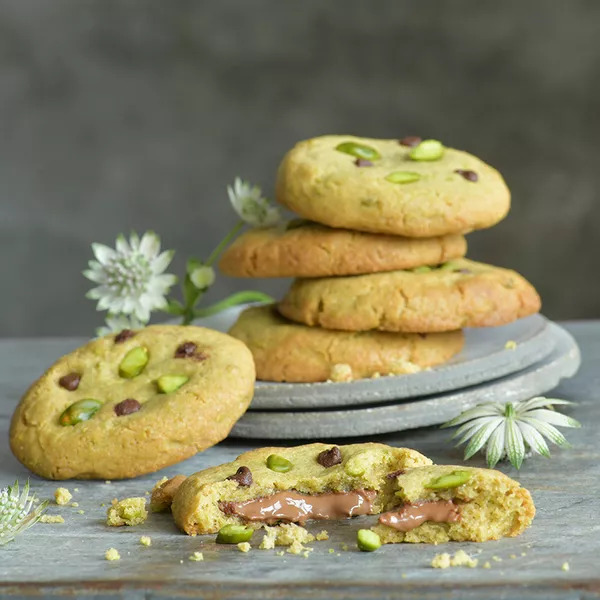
x=146, y=540
x=244, y=547
x=197, y=556
x=62, y=496
x=51, y=519
x=129, y=511
x=460, y=559
x=112, y=554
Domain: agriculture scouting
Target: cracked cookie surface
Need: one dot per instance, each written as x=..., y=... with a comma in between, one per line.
x=133, y=403
x=308, y=249
x=288, y=351
x=460, y=293
x=323, y=184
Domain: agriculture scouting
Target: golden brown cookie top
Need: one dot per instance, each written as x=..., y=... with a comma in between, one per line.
x=306, y=249
x=385, y=186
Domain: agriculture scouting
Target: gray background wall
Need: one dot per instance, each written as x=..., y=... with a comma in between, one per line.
x=119, y=115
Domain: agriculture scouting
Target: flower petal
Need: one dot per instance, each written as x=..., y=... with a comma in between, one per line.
x=533, y=439
x=162, y=261
x=150, y=245
x=466, y=431
x=481, y=437
x=483, y=410
x=555, y=418
x=538, y=402
x=103, y=253
x=547, y=430
x=495, y=446
x=513, y=443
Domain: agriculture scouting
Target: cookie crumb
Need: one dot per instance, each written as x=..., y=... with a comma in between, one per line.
x=306, y=553
x=344, y=547
x=404, y=367
x=510, y=345
x=76, y=489
x=523, y=553
x=565, y=566
x=62, y=496
x=197, y=556
x=108, y=481
x=496, y=559
x=129, y=511
x=322, y=536
x=51, y=519
x=341, y=373
x=460, y=559
x=513, y=556
x=146, y=540
x=376, y=375
x=404, y=575
x=280, y=553
x=297, y=547
x=487, y=565
x=74, y=504
x=285, y=535
x=244, y=547
x=81, y=512
x=331, y=551
x=112, y=554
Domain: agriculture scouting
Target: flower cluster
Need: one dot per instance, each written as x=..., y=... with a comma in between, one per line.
x=15, y=511
x=131, y=279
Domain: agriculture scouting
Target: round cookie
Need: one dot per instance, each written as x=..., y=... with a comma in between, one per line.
x=456, y=193
x=200, y=503
x=306, y=249
x=487, y=505
x=287, y=351
x=457, y=294
x=136, y=428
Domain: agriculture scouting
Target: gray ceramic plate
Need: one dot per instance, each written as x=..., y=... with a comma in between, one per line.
x=483, y=358
x=536, y=379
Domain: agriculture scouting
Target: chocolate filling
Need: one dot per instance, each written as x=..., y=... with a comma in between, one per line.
x=294, y=507
x=412, y=515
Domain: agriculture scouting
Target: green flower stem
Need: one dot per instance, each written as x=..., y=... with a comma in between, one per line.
x=224, y=242
x=233, y=300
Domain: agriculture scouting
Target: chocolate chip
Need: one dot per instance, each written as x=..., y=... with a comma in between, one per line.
x=243, y=476
x=128, y=406
x=363, y=162
x=395, y=474
x=124, y=335
x=331, y=457
x=468, y=175
x=410, y=141
x=185, y=350
x=70, y=382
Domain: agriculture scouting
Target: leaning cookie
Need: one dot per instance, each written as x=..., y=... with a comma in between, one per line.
x=400, y=187
x=133, y=403
x=306, y=249
x=288, y=351
x=437, y=504
x=457, y=294
x=268, y=485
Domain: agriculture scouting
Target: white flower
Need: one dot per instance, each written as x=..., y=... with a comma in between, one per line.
x=117, y=323
x=249, y=204
x=15, y=511
x=202, y=277
x=512, y=429
x=131, y=278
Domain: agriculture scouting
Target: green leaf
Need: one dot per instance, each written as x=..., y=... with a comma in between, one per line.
x=174, y=307
x=495, y=446
x=481, y=437
x=513, y=443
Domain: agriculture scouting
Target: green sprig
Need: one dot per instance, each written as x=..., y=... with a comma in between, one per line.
x=15, y=511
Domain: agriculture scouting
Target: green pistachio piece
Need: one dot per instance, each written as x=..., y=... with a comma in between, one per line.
x=449, y=265
x=427, y=150
x=234, y=534
x=79, y=411
x=358, y=150
x=278, y=463
x=367, y=540
x=422, y=269
x=170, y=383
x=356, y=465
x=134, y=362
x=451, y=480
x=403, y=177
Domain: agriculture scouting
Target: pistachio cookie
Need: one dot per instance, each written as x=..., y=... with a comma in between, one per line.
x=460, y=293
x=437, y=504
x=287, y=351
x=306, y=249
x=268, y=485
x=133, y=403
x=403, y=187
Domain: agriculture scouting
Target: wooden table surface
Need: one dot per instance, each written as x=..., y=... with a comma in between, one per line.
x=68, y=559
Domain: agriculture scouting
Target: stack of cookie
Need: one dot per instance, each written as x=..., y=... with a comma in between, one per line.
x=382, y=283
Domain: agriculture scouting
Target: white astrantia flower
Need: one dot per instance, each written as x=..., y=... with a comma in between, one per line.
x=249, y=204
x=117, y=323
x=512, y=429
x=203, y=277
x=131, y=277
x=15, y=511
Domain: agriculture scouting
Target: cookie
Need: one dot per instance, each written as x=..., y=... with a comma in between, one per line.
x=374, y=185
x=130, y=404
x=437, y=504
x=287, y=351
x=306, y=249
x=333, y=481
x=460, y=293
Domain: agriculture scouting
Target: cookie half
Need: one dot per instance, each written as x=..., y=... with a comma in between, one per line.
x=288, y=351
x=460, y=293
x=307, y=249
x=440, y=503
x=269, y=485
x=130, y=404
x=374, y=185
